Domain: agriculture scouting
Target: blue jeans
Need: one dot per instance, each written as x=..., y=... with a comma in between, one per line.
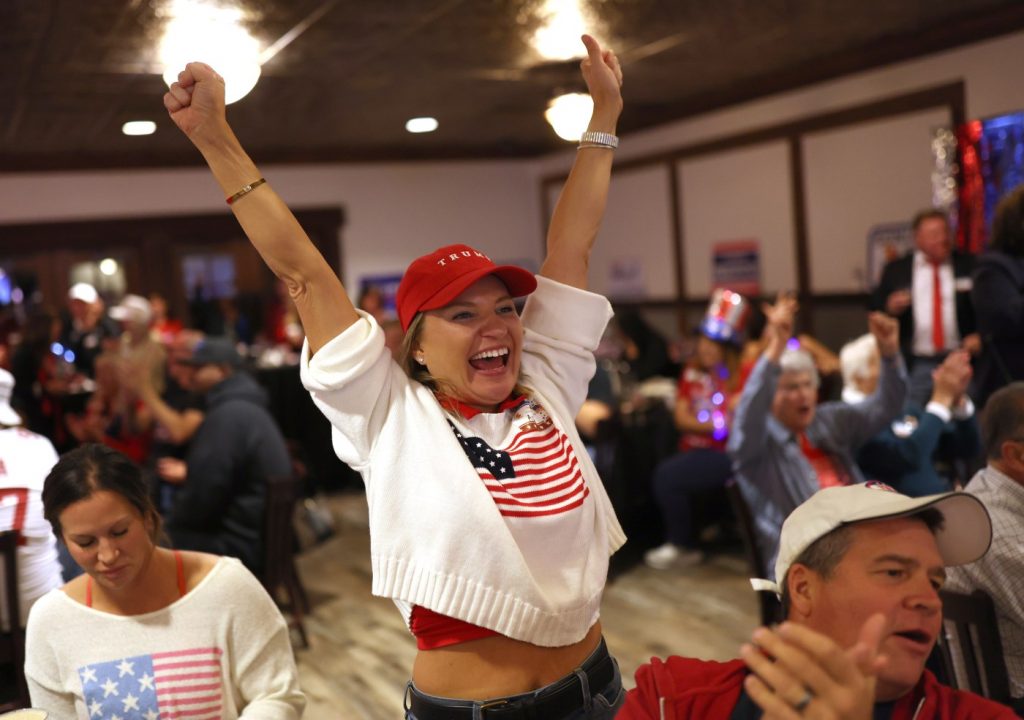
x=603, y=705
x=678, y=479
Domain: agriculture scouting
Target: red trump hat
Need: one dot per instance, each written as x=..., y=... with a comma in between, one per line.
x=434, y=280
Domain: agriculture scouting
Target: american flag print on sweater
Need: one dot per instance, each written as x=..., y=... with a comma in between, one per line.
x=536, y=474
x=175, y=685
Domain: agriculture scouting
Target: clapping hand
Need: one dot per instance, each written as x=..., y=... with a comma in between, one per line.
x=603, y=75
x=951, y=379
x=887, y=333
x=196, y=101
x=800, y=673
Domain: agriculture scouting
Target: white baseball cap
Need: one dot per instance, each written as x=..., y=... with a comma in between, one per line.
x=964, y=536
x=7, y=414
x=134, y=309
x=84, y=292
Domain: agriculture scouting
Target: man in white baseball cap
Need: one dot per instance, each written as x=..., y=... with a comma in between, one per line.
x=85, y=327
x=860, y=567
x=139, y=351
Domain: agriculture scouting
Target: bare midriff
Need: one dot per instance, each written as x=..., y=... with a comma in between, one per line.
x=497, y=666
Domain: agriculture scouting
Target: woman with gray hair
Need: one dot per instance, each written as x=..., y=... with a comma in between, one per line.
x=784, y=446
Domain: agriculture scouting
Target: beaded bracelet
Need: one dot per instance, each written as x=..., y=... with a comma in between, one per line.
x=246, y=190
x=598, y=139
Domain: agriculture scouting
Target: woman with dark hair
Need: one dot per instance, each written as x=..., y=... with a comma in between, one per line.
x=998, y=298
x=145, y=629
x=489, y=527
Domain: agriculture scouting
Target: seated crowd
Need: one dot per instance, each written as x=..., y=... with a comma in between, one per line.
x=141, y=546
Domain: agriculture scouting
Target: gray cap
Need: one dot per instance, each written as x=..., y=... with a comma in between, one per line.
x=215, y=351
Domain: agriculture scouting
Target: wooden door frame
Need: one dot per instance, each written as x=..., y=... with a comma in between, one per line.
x=155, y=239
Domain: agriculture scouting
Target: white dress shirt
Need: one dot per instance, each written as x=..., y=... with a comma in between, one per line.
x=921, y=302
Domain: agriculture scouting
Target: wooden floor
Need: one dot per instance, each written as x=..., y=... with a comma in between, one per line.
x=361, y=653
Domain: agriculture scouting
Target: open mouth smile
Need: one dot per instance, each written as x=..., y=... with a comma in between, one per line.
x=493, y=359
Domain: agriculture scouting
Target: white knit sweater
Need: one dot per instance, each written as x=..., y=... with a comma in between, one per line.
x=437, y=536
x=221, y=651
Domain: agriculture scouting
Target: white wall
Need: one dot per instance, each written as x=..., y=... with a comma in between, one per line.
x=989, y=69
x=753, y=184
x=855, y=177
x=859, y=177
x=393, y=212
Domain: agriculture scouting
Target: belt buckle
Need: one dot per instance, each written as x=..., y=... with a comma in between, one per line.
x=493, y=704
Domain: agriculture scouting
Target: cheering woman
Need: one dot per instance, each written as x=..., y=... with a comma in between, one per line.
x=489, y=527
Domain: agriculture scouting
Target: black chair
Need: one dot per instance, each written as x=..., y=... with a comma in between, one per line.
x=12, y=642
x=771, y=608
x=280, y=575
x=972, y=653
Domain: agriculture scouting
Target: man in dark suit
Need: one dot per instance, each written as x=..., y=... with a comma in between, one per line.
x=929, y=292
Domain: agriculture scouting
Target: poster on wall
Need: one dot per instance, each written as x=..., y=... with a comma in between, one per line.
x=386, y=287
x=626, y=279
x=886, y=242
x=736, y=266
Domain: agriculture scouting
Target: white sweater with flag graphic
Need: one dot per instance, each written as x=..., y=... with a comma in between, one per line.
x=499, y=520
x=221, y=651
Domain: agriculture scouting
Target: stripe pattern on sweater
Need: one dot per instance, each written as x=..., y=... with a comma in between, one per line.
x=536, y=474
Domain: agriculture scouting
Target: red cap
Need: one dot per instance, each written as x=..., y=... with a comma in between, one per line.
x=432, y=281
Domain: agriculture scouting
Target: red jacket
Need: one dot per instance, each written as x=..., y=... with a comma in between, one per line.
x=681, y=688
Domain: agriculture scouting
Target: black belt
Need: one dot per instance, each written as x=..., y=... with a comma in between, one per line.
x=557, y=701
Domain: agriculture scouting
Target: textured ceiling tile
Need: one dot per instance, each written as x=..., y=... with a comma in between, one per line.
x=344, y=87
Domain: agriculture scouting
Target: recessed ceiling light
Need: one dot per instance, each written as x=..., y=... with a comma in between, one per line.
x=213, y=33
x=139, y=127
x=421, y=125
x=569, y=114
x=562, y=23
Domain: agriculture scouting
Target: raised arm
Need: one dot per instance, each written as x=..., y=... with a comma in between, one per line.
x=196, y=105
x=864, y=420
x=581, y=205
x=749, y=429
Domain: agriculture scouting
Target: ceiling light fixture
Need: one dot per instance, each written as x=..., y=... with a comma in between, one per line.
x=421, y=125
x=558, y=37
x=212, y=34
x=139, y=127
x=108, y=266
x=569, y=114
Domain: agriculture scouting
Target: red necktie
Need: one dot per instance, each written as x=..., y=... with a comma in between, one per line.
x=938, y=336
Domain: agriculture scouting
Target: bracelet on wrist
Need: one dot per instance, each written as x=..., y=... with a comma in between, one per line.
x=245, y=191
x=598, y=139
